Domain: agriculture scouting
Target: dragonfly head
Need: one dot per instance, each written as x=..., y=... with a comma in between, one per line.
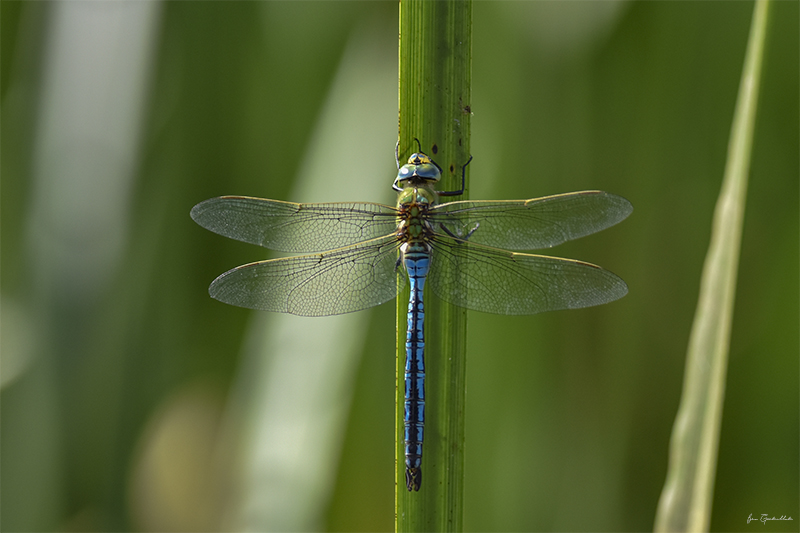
x=419, y=170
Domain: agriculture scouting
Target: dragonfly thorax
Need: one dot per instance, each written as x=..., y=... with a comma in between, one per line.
x=413, y=204
x=419, y=170
x=416, y=198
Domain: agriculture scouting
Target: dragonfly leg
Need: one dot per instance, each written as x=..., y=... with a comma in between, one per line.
x=459, y=235
x=397, y=154
x=463, y=181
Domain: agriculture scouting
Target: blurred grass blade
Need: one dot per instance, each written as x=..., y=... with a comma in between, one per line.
x=435, y=94
x=91, y=98
x=294, y=392
x=685, y=503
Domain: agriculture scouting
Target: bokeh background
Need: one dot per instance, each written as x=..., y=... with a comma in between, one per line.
x=132, y=401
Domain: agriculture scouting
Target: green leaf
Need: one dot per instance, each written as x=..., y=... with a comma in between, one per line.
x=686, y=499
x=435, y=79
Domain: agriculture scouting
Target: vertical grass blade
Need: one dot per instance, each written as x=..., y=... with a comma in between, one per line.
x=294, y=392
x=435, y=77
x=685, y=503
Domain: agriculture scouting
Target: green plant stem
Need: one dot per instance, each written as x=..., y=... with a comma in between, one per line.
x=434, y=97
x=685, y=503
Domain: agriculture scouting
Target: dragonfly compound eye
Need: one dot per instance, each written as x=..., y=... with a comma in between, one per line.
x=418, y=158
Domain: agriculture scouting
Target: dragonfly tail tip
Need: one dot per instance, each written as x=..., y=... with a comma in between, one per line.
x=413, y=478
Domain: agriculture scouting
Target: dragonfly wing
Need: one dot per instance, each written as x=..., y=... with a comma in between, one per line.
x=507, y=283
x=331, y=283
x=532, y=224
x=290, y=227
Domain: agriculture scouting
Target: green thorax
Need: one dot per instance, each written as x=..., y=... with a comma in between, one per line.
x=413, y=205
x=415, y=183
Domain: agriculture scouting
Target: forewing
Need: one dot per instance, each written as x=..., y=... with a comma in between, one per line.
x=331, y=283
x=531, y=224
x=291, y=227
x=507, y=283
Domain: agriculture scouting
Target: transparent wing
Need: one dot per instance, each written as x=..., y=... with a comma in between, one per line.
x=532, y=224
x=290, y=227
x=331, y=283
x=507, y=283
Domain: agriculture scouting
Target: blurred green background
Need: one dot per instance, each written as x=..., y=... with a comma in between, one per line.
x=132, y=401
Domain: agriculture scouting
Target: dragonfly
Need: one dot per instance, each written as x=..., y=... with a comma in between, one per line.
x=357, y=255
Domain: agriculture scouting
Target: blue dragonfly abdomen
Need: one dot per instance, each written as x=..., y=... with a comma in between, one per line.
x=416, y=264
